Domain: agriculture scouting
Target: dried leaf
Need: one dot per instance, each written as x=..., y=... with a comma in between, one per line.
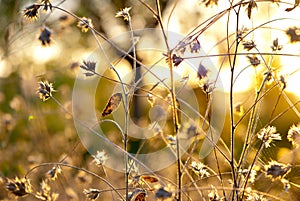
x=149, y=178
x=112, y=104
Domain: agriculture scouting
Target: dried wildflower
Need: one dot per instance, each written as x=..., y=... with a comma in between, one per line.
x=251, y=4
x=202, y=71
x=176, y=60
x=294, y=34
x=195, y=46
x=45, y=90
x=89, y=66
x=85, y=24
x=45, y=36
x=47, y=5
x=276, y=46
x=112, y=104
x=162, y=193
x=19, y=187
x=254, y=60
x=124, y=13
x=199, y=169
x=149, y=178
x=52, y=174
x=249, y=45
x=138, y=195
x=100, y=158
x=213, y=195
x=267, y=135
x=242, y=32
x=92, y=194
x=45, y=193
x=209, y=2
x=181, y=47
x=294, y=135
x=31, y=12
x=277, y=170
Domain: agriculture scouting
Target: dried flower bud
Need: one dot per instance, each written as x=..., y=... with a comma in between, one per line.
x=254, y=60
x=45, y=90
x=31, y=12
x=249, y=45
x=92, y=194
x=276, y=46
x=85, y=24
x=19, y=187
x=45, y=36
x=124, y=13
x=277, y=170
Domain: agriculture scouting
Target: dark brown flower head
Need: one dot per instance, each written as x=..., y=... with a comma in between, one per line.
x=19, y=187
x=249, y=45
x=45, y=36
x=195, y=46
x=176, y=60
x=52, y=174
x=92, y=194
x=277, y=170
x=254, y=60
x=252, y=4
x=47, y=5
x=45, y=90
x=161, y=193
x=202, y=71
x=85, y=24
x=31, y=12
x=294, y=34
x=276, y=46
x=89, y=66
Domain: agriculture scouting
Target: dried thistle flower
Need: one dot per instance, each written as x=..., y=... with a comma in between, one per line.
x=100, y=158
x=249, y=45
x=277, y=170
x=294, y=135
x=45, y=36
x=199, y=169
x=254, y=60
x=45, y=193
x=85, y=24
x=202, y=71
x=54, y=172
x=92, y=194
x=276, y=46
x=124, y=13
x=31, y=12
x=268, y=134
x=294, y=34
x=19, y=187
x=89, y=66
x=45, y=90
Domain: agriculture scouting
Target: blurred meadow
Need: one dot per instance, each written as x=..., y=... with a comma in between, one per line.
x=252, y=48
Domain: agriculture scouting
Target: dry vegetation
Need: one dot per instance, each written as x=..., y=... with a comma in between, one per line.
x=242, y=144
